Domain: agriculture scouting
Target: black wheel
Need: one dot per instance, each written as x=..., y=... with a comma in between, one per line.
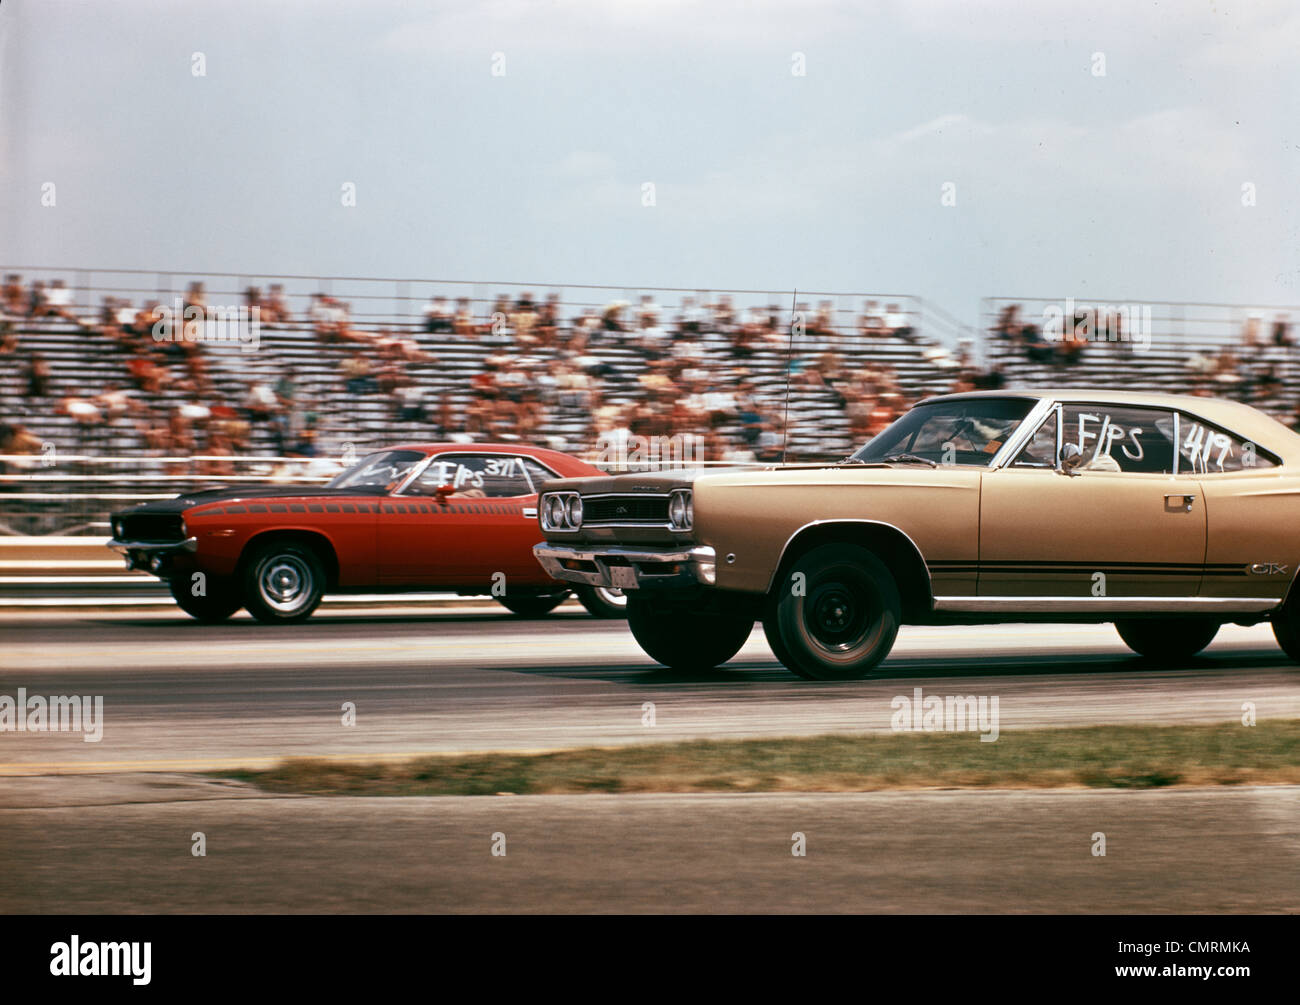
x=282, y=582
x=1286, y=629
x=603, y=601
x=1167, y=640
x=219, y=599
x=835, y=615
x=685, y=639
x=530, y=605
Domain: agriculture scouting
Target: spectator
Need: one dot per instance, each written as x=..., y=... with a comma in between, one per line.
x=691, y=320
x=409, y=400
x=14, y=300
x=17, y=439
x=1282, y=330
x=358, y=376
x=262, y=403
x=523, y=319
x=54, y=301
x=117, y=402
x=871, y=323
x=1250, y=332
x=548, y=321
x=611, y=320
x=463, y=323
x=37, y=377
x=438, y=316
x=897, y=322
x=275, y=309
x=84, y=412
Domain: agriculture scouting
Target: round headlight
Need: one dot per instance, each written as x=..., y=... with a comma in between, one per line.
x=555, y=512
x=573, y=510
x=677, y=511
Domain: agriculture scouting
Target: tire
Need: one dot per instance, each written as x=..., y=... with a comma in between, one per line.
x=1286, y=629
x=773, y=635
x=1168, y=641
x=685, y=639
x=282, y=582
x=529, y=606
x=603, y=601
x=843, y=621
x=221, y=600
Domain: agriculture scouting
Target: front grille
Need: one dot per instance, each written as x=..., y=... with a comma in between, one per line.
x=625, y=509
x=151, y=527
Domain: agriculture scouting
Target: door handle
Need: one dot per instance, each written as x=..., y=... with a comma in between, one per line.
x=1186, y=500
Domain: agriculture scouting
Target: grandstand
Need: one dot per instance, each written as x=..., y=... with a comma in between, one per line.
x=355, y=363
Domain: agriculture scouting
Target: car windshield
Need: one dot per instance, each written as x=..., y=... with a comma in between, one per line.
x=960, y=431
x=377, y=470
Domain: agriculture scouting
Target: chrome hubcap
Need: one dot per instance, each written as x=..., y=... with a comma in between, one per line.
x=285, y=582
x=612, y=595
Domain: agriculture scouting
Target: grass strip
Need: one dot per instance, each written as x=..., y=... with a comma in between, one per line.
x=1122, y=757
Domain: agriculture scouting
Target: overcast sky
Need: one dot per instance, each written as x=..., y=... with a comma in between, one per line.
x=1127, y=185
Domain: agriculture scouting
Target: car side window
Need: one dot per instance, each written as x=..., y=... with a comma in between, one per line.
x=1040, y=451
x=538, y=472
x=1121, y=438
x=475, y=476
x=1206, y=449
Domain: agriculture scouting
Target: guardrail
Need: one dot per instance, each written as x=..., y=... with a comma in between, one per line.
x=60, y=573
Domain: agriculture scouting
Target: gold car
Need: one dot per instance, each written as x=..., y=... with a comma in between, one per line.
x=1167, y=515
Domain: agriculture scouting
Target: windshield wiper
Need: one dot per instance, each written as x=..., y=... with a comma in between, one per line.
x=910, y=459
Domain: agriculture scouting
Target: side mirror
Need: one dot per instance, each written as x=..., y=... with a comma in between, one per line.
x=1071, y=458
x=443, y=491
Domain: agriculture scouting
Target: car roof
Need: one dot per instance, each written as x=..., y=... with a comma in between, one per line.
x=1245, y=421
x=551, y=457
x=475, y=448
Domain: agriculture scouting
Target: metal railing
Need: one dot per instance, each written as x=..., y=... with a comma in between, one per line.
x=76, y=494
x=394, y=302
x=1173, y=326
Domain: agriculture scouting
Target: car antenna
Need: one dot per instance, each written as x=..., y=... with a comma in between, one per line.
x=785, y=423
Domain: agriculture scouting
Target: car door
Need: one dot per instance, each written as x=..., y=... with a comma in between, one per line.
x=1123, y=525
x=483, y=526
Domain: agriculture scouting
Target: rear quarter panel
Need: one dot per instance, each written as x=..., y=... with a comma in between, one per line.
x=1252, y=519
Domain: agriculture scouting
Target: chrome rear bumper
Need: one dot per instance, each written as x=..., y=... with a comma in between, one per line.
x=629, y=568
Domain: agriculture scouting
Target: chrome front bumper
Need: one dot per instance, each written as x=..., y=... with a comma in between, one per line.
x=152, y=556
x=629, y=568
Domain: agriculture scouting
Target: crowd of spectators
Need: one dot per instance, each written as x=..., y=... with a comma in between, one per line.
x=1247, y=367
x=702, y=367
x=163, y=391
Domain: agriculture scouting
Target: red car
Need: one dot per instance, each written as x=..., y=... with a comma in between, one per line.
x=448, y=517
